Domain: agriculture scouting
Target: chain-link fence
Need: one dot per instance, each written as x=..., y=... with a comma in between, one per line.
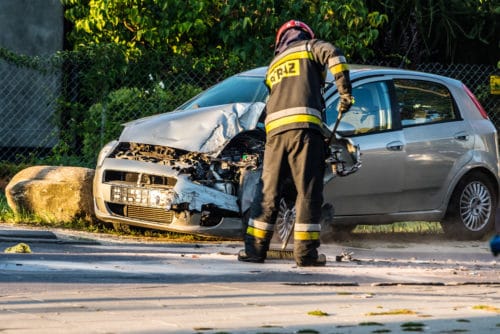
x=27, y=105
x=73, y=106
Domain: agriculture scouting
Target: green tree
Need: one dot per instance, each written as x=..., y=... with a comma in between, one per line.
x=213, y=29
x=124, y=48
x=441, y=30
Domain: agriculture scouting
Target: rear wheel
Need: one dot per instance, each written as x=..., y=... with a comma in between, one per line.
x=472, y=207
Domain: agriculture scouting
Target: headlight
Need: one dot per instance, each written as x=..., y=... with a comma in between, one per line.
x=105, y=151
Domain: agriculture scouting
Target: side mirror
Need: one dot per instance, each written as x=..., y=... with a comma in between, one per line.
x=345, y=129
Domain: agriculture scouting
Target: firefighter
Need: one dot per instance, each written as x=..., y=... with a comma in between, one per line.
x=295, y=146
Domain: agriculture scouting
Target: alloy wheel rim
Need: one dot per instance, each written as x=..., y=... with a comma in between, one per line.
x=475, y=206
x=285, y=220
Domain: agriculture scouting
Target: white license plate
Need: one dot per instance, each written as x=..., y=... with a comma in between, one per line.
x=157, y=198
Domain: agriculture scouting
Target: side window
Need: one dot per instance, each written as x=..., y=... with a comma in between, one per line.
x=371, y=111
x=423, y=102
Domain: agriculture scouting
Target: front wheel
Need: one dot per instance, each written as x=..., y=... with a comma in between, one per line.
x=472, y=207
x=285, y=220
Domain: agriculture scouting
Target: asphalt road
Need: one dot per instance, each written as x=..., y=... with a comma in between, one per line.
x=75, y=282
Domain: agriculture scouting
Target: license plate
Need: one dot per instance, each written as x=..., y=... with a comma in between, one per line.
x=156, y=198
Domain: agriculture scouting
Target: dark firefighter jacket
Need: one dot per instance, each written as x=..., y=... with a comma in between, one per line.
x=295, y=78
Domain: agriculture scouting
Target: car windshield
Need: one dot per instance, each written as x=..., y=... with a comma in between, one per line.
x=239, y=88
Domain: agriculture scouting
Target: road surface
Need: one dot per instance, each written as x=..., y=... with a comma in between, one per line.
x=74, y=282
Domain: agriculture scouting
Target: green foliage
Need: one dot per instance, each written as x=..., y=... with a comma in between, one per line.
x=21, y=60
x=318, y=313
x=141, y=24
x=230, y=28
x=402, y=227
x=448, y=29
x=124, y=48
x=121, y=45
x=104, y=120
x=8, y=169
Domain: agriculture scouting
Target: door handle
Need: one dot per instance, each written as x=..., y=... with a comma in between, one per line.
x=395, y=146
x=461, y=136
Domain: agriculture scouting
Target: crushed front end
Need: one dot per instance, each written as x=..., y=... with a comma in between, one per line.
x=168, y=187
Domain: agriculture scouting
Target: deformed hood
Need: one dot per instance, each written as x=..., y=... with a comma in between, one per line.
x=206, y=130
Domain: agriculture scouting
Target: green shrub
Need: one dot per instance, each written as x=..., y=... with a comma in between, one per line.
x=104, y=120
x=9, y=169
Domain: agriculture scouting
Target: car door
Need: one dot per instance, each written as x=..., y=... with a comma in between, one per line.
x=438, y=141
x=376, y=187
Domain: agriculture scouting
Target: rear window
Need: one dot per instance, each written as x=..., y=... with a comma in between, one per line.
x=423, y=102
x=236, y=89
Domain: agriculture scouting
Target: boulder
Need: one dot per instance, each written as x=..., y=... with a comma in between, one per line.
x=52, y=192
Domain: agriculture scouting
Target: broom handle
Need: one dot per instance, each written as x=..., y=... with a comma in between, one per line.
x=287, y=239
x=336, y=125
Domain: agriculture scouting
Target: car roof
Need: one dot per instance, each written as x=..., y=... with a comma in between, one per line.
x=358, y=71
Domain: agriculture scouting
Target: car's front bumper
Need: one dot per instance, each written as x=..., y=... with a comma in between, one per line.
x=176, y=205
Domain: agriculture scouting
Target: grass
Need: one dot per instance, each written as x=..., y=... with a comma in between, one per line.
x=486, y=308
x=318, y=313
x=19, y=248
x=8, y=216
x=402, y=227
x=392, y=312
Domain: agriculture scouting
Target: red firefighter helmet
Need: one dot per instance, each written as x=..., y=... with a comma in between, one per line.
x=293, y=24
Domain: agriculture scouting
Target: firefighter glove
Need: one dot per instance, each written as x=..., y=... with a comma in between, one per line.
x=345, y=103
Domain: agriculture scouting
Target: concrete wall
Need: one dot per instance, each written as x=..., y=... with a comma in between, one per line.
x=27, y=97
x=31, y=27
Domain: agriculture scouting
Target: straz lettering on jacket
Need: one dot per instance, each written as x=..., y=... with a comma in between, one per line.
x=286, y=67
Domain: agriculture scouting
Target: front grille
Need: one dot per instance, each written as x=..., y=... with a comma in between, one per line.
x=133, y=177
x=142, y=213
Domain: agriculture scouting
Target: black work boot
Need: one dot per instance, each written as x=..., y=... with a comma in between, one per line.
x=306, y=253
x=255, y=249
x=320, y=261
x=242, y=256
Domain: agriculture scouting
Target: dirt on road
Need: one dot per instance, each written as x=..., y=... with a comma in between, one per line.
x=76, y=282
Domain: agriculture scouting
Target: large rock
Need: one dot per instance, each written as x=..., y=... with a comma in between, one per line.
x=52, y=192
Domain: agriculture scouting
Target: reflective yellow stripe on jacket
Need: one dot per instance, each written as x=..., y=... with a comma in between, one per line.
x=339, y=68
x=337, y=64
x=292, y=119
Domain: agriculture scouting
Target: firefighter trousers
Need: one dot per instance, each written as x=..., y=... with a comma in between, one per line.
x=299, y=155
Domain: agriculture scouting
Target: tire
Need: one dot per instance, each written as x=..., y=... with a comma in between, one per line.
x=471, y=211
x=329, y=231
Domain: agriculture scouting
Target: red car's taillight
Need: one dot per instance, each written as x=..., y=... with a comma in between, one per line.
x=476, y=102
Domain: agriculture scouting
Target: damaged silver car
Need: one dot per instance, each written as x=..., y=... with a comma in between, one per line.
x=429, y=152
